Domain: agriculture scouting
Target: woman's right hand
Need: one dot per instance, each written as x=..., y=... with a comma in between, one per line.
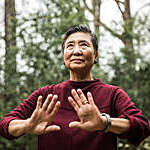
x=43, y=115
x=40, y=120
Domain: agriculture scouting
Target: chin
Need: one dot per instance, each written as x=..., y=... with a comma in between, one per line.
x=77, y=66
x=80, y=69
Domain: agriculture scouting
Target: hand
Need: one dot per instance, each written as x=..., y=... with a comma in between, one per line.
x=88, y=113
x=38, y=123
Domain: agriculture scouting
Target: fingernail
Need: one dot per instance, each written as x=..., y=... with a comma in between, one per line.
x=78, y=89
x=89, y=93
x=69, y=97
x=40, y=96
x=56, y=95
x=73, y=90
x=58, y=103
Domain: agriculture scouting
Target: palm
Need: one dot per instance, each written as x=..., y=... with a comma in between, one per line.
x=42, y=116
x=89, y=115
x=85, y=113
x=40, y=128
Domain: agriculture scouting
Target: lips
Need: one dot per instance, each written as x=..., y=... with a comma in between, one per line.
x=77, y=60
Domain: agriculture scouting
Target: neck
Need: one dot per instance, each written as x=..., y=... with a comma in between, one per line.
x=79, y=76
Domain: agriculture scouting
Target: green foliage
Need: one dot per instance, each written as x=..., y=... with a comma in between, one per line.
x=39, y=38
x=41, y=47
x=131, y=68
x=131, y=71
x=143, y=86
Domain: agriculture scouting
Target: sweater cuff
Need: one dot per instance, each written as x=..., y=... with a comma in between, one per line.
x=136, y=126
x=4, y=128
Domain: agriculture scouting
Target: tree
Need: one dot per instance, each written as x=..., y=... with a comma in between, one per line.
x=39, y=37
x=95, y=11
x=10, y=77
x=43, y=56
x=126, y=74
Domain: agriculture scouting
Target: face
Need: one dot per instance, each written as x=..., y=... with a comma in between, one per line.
x=79, y=52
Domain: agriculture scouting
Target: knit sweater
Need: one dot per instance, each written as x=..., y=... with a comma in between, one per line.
x=109, y=99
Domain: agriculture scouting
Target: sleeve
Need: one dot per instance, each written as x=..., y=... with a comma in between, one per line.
x=23, y=111
x=139, y=126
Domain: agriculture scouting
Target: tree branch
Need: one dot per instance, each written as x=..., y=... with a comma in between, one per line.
x=119, y=36
x=86, y=6
x=145, y=5
x=118, y=2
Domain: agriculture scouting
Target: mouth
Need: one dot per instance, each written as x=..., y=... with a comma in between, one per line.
x=77, y=60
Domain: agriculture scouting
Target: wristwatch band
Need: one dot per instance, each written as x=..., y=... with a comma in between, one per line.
x=108, y=122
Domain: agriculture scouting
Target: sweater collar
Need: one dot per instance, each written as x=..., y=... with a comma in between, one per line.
x=82, y=83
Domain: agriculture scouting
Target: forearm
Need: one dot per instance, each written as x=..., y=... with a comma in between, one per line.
x=119, y=125
x=17, y=127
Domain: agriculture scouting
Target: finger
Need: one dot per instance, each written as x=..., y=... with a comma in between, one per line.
x=73, y=103
x=39, y=103
x=52, y=128
x=55, y=109
x=47, y=101
x=76, y=97
x=86, y=126
x=82, y=96
x=52, y=104
x=75, y=124
x=90, y=98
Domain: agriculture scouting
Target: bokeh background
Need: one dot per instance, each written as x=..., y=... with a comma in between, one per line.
x=31, y=33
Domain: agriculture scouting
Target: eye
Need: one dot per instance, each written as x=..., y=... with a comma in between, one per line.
x=84, y=45
x=69, y=46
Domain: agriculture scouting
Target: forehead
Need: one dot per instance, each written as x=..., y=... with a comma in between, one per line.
x=79, y=36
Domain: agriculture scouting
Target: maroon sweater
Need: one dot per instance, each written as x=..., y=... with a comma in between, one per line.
x=109, y=99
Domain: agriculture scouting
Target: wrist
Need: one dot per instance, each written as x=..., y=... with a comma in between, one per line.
x=17, y=127
x=107, y=122
x=28, y=126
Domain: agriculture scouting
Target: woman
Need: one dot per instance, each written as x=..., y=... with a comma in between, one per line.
x=81, y=113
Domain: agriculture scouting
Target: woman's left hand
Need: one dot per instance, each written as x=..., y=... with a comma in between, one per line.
x=88, y=113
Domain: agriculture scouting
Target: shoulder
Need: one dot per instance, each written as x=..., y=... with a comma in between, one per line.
x=106, y=86
x=113, y=89
x=51, y=88
x=43, y=91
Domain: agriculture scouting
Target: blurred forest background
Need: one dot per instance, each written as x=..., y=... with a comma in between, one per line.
x=31, y=56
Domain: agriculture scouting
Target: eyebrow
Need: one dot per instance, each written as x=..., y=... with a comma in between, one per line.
x=81, y=41
x=69, y=42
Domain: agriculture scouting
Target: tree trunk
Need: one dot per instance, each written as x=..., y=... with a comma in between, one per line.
x=10, y=75
x=127, y=35
x=95, y=11
x=96, y=14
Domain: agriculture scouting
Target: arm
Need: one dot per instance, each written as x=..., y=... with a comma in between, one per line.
x=17, y=128
x=128, y=123
x=23, y=111
x=91, y=118
x=139, y=126
x=118, y=125
x=38, y=122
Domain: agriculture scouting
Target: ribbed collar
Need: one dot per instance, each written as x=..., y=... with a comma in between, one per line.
x=81, y=84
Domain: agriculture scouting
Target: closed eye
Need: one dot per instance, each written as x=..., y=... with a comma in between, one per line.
x=70, y=45
x=84, y=44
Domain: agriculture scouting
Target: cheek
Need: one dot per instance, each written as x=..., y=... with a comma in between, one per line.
x=90, y=57
x=66, y=57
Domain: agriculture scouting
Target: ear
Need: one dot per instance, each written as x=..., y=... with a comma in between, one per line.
x=96, y=54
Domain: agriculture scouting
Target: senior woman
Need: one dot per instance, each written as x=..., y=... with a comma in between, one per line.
x=81, y=113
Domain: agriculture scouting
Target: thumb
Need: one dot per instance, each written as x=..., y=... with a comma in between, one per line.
x=52, y=128
x=75, y=124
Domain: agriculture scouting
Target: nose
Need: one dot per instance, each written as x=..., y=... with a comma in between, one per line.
x=77, y=50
